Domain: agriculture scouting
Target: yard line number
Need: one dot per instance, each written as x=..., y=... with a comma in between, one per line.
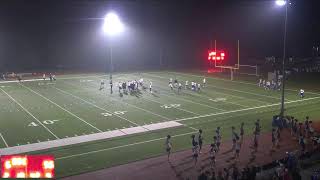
x=47, y=122
x=218, y=99
x=168, y=106
x=105, y=114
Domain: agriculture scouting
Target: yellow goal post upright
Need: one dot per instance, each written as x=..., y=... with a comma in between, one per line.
x=236, y=67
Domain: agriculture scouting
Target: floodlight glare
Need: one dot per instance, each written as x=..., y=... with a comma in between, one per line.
x=112, y=24
x=281, y=2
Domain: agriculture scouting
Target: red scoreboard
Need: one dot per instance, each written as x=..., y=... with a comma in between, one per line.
x=216, y=55
x=27, y=166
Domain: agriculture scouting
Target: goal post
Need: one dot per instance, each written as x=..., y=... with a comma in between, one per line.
x=247, y=70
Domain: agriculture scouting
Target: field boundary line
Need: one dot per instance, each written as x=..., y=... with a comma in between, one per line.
x=28, y=112
x=126, y=145
x=63, y=78
x=62, y=108
x=246, y=109
x=220, y=88
x=5, y=142
x=65, y=92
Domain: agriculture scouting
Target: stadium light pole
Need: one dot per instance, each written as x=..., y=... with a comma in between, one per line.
x=284, y=3
x=112, y=26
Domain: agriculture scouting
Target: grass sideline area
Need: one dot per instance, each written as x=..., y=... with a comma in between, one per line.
x=38, y=111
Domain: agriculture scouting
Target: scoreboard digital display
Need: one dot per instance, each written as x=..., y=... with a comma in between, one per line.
x=216, y=55
x=27, y=166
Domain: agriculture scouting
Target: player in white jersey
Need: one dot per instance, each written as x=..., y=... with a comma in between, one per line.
x=179, y=87
x=171, y=86
x=267, y=85
x=199, y=87
x=264, y=83
x=260, y=82
x=120, y=86
x=44, y=76
x=141, y=82
x=204, y=82
x=301, y=93
x=150, y=87
x=101, y=84
x=170, y=81
x=193, y=87
x=187, y=85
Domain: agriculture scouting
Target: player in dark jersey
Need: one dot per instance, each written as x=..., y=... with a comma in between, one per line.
x=196, y=154
x=168, y=146
x=193, y=142
x=212, y=154
x=111, y=86
x=241, y=133
x=200, y=140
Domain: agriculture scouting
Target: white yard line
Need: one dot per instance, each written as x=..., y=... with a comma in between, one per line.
x=29, y=113
x=264, y=102
x=65, y=92
x=246, y=109
x=62, y=108
x=5, y=142
x=122, y=146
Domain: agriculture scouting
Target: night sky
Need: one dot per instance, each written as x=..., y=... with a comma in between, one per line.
x=50, y=34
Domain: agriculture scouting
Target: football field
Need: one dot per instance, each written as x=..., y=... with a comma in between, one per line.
x=90, y=129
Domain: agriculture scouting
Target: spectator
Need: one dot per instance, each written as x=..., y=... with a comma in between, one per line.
x=241, y=133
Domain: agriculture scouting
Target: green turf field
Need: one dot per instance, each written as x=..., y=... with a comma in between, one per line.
x=38, y=111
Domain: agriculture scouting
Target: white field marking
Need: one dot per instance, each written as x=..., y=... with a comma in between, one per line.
x=5, y=142
x=29, y=113
x=61, y=108
x=173, y=107
x=122, y=146
x=262, y=95
x=65, y=92
x=129, y=104
x=246, y=99
x=246, y=109
x=63, y=78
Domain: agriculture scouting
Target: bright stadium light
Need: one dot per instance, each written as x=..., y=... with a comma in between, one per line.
x=281, y=2
x=112, y=24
